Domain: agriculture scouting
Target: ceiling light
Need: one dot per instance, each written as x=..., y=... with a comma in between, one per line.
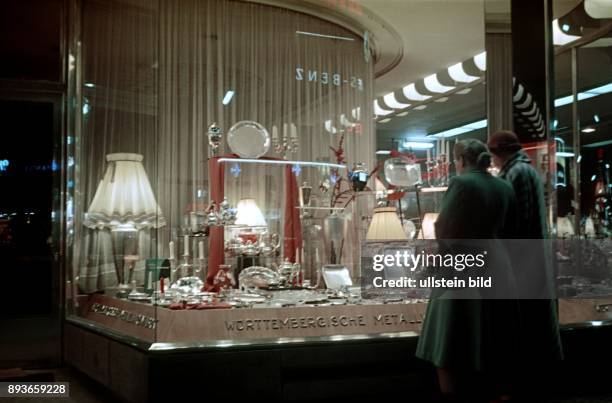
x=598, y=144
x=588, y=130
x=383, y=152
x=391, y=101
x=458, y=74
x=379, y=111
x=596, y=118
x=564, y=154
x=604, y=89
x=403, y=114
x=593, y=178
x=564, y=101
x=462, y=129
x=560, y=37
x=420, y=107
x=417, y=145
x=228, y=97
x=432, y=84
x=579, y=159
x=598, y=8
x=89, y=85
x=555, y=123
x=411, y=93
x=565, y=27
x=387, y=120
x=480, y=60
x=464, y=91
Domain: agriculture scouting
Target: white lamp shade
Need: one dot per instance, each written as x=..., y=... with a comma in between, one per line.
x=428, y=229
x=124, y=198
x=386, y=226
x=249, y=214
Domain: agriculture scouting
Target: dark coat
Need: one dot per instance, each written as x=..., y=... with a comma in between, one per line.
x=472, y=334
x=539, y=318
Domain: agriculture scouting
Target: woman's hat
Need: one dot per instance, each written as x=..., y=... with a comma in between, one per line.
x=503, y=141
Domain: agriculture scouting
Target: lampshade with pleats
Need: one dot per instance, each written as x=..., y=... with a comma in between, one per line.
x=386, y=226
x=124, y=199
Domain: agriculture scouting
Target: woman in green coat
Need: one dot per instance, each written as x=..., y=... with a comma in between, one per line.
x=462, y=336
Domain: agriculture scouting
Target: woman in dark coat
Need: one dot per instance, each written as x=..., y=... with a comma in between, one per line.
x=541, y=344
x=465, y=336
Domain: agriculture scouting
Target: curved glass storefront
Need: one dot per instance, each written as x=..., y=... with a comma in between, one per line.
x=201, y=128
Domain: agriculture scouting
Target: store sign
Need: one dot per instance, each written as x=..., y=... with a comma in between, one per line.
x=147, y=322
x=321, y=322
x=327, y=78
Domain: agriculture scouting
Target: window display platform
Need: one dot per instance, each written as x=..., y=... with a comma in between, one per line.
x=295, y=365
x=310, y=369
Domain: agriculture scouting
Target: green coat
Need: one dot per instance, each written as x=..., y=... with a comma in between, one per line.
x=473, y=334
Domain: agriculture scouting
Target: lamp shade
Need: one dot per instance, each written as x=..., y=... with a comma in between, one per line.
x=124, y=198
x=249, y=214
x=386, y=225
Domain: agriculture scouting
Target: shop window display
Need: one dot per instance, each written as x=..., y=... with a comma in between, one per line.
x=217, y=167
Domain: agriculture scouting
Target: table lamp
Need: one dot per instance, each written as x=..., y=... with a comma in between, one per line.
x=249, y=214
x=124, y=204
x=386, y=226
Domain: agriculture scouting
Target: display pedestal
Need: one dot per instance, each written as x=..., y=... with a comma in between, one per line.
x=297, y=365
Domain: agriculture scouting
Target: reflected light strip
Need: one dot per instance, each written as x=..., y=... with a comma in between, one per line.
x=480, y=60
x=433, y=189
x=432, y=84
x=417, y=145
x=316, y=35
x=392, y=102
x=411, y=93
x=228, y=97
x=604, y=89
x=383, y=152
x=462, y=129
x=283, y=162
x=565, y=154
x=560, y=37
x=458, y=74
x=379, y=111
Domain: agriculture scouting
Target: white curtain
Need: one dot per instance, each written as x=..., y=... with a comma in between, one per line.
x=154, y=74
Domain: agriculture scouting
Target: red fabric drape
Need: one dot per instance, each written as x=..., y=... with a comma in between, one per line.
x=216, y=173
x=292, y=225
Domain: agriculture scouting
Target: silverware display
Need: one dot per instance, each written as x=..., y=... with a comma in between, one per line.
x=256, y=277
x=248, y=139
